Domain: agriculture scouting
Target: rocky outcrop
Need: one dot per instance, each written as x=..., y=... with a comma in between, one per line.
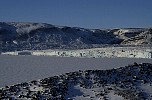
x=128, y=82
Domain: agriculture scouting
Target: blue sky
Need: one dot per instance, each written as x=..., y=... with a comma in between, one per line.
x=79, y=13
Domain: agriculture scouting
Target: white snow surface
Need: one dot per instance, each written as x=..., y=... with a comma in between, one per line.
x=16, y=69
x=148, y=88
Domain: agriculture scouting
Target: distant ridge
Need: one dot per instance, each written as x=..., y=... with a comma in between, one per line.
x=38, y=36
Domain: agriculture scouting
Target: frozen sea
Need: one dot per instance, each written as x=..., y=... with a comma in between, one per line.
x=17, y=69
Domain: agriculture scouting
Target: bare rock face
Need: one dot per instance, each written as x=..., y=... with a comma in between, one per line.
x=37, y=36
x=140, y=39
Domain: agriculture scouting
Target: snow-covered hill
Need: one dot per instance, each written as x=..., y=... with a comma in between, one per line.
x=133, y=82
x=38, y=36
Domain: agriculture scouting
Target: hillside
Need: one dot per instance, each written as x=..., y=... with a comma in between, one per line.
x=38, y=36
x=133, y=82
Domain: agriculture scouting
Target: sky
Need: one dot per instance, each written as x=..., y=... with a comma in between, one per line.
x=79, y=13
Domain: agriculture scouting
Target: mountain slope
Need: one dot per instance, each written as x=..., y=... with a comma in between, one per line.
x=21, y=36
